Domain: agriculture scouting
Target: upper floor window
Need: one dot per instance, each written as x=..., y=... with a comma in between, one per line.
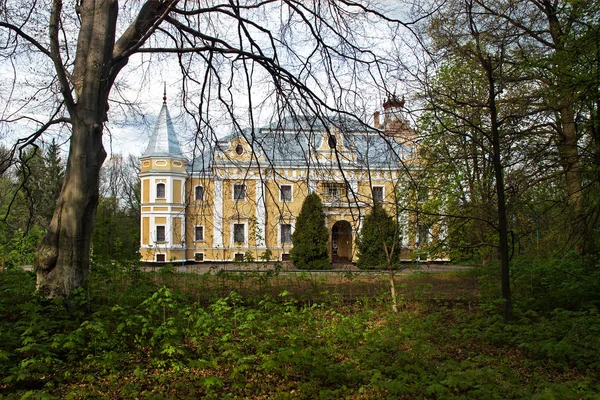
x=378, y=193
x=239, y=149
x=160, y=191
x=199, y=193
x=334, y=190
x=199, y=233
x=286, y=233
x=239, y=191
x=239, y=233
x=285, y=193
x=160, y=233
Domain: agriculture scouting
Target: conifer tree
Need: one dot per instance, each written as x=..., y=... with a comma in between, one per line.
x=378, y=240
x=310, y=236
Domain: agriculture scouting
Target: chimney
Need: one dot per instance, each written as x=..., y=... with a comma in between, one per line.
x=376, y=120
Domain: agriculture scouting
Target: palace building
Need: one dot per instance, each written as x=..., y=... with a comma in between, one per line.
x=239, y=199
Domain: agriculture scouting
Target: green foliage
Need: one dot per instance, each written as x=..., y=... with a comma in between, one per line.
x=378, y=244
x=18, y=250
x=128, y=335
x=545, y=284
x=116, y=233
x=310, y=236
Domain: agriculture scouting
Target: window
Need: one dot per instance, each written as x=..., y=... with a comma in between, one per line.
x=423, y=234
x=160, y=190
x=199, y=234
x=285, y=257
x=285, y=193
x=334, y=190
x=239, y=233
x=378, y=193
x=239, y=191
x=239, y=149
x=160, y=233
x=199, y=193
x=238, y=257
x=161, y=258
x=286, y=233
x=199, y=257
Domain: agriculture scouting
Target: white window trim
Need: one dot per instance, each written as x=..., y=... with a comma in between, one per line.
x=203, y=234
x=203, y=193
x=233, y=192
x=279, y=233
x=382, y=192
x=231, y=231
x=291, y=193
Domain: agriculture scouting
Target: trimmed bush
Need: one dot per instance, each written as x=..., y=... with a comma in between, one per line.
x=310, y=236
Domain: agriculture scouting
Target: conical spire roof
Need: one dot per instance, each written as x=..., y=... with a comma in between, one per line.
x=163, y=142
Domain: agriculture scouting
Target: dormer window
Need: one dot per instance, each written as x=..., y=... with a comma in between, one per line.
x=239, y=149
x=160, y=191
x=332, y=142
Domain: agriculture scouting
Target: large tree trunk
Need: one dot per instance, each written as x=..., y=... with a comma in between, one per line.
x=63, y=256
x=62, y=259
x=503, y=247
x=571, y=164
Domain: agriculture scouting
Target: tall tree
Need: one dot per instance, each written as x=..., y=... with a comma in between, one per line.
x=316, y=56
x=310, y=236
x=559, y=39
x=488, y=114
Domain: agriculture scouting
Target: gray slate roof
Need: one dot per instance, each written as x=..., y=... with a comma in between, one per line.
x=292, y=142
x=163, y=141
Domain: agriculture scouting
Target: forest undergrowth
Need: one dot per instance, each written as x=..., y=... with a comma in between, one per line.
x=164, y=335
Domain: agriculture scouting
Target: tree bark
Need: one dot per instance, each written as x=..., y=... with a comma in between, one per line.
x=62, y=258
x=571, y=164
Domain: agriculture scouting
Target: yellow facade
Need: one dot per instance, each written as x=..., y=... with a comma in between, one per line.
x=243, y=202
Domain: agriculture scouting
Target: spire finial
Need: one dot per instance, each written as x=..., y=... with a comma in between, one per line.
x=165, y=94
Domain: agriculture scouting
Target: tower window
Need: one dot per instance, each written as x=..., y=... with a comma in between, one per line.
x=160, y=190
x=160, y=233
x=239, y=149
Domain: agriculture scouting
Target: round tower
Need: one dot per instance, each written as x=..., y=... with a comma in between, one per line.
x=163, y=177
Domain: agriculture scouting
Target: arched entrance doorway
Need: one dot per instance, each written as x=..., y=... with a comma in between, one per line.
x=341, y=241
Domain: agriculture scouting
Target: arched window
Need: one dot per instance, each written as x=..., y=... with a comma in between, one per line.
x=160, y=190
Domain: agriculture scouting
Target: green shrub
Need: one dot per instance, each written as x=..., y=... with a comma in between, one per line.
x=310, y=236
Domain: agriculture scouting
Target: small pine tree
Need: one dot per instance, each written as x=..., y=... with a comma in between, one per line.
x=378, y=230
x=310, y=236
